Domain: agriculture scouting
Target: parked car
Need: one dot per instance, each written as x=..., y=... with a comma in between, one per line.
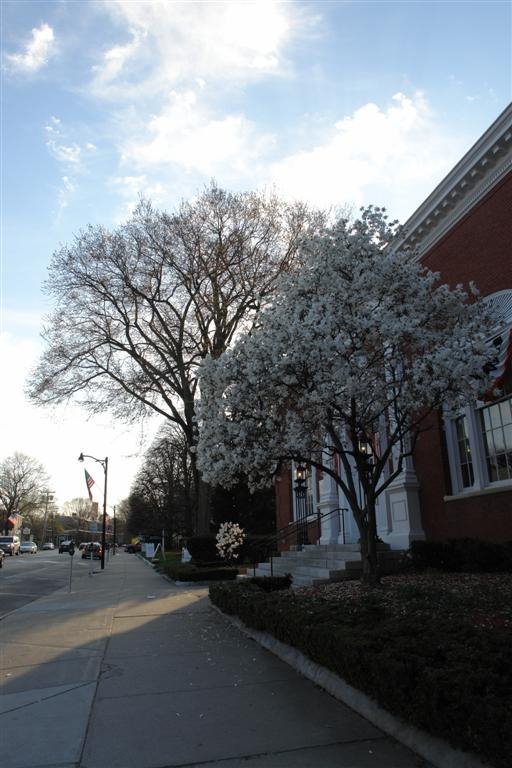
x=28, y=546
x=83, y=545
x=132, y=548
x=2, y=555
x=65, y=546
x=48, y=545
x=10, y=545
x=93, y=548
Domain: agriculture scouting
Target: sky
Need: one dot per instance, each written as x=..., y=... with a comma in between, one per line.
x=334, y=102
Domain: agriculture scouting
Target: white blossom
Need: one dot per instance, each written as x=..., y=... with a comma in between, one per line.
x=230, y=538
x=359, y=334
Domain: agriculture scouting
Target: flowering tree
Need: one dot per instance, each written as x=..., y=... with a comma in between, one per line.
x=343, y=369
x=230, y=538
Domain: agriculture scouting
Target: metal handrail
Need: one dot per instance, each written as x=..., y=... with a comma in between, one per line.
x=295, y=527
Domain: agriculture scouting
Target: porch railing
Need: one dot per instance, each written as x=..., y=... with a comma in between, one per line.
x=298, y=532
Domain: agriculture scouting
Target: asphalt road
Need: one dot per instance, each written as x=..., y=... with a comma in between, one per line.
x=24, y=578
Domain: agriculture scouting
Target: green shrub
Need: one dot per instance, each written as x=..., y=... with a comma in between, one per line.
x=192, y=572
x=203, y=549
x=463, y=555
x=272, y=583
x=256, y=549
x=434, y=670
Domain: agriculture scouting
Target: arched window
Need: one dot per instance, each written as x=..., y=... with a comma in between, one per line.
x=479, y=439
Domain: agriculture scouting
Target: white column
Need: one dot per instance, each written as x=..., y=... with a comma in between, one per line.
x=328, y=501
x=404, y=514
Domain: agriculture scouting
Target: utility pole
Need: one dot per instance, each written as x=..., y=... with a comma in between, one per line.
x=47, y=498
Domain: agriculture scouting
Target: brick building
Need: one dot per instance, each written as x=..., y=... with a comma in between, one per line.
x=459, y=481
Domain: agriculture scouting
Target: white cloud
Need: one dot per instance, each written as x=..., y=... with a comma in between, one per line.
x=173, y=43
x=36, y=53
x=70, y=155
x=390, y=156
x=66, y=192
x=64, y=153
x=112, y=64
x=186, y=134
x=132, y=189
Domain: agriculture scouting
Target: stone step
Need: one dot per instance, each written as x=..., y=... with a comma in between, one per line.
x=332, y=547
x=355, y=547
x=263, y=569
x=321, y=565
x=310, y=574
x=327, y=561
x=326, y=574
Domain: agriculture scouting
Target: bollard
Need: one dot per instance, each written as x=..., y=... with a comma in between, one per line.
x=71, y=551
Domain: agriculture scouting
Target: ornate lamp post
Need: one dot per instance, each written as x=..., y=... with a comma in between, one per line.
x=104, y=464
x=365, y=451
x=300, y=498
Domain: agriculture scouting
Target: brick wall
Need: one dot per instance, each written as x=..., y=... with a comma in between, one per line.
x=479, y=248
x=284, y=508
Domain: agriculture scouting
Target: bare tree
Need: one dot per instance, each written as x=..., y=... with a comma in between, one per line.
x=137, y=309
x=78, y=507
x=22, y=483
x=161, y=494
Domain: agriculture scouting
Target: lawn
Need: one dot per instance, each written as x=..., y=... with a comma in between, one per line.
x=170, y=557
x=432, y=648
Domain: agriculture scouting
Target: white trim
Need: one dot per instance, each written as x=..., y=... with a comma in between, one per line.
x=498, y=487
x=483, y=167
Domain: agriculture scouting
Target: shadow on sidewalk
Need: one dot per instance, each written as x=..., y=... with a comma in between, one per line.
x=144, y=673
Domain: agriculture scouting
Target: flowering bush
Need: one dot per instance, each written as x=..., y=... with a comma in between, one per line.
x=230, y=538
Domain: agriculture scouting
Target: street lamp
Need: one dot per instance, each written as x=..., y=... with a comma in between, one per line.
x=104, y=464
x=300, y=495
x=365, y=453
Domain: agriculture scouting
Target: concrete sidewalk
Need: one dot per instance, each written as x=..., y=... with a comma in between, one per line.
x=130, y=670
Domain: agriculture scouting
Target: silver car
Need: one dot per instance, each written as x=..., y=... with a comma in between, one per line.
x=28, y=546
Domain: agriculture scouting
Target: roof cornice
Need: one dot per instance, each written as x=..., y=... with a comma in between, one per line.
x=481, y=168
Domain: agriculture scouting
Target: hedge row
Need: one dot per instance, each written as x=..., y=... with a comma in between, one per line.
x=191, y=572
x=463, y=555
x=439, y=674
x=255, y=549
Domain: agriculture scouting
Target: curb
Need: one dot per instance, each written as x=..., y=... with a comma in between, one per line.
x=438, y=752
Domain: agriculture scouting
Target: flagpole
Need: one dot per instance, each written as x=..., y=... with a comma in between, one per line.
x=104, y=464
x=104, y=523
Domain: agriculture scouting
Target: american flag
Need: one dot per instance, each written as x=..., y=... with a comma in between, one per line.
x=89, y=483
x=500, y=367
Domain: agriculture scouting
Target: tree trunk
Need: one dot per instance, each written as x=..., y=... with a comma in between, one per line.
x=203, y=514
x=371, y=576
x=368, y=538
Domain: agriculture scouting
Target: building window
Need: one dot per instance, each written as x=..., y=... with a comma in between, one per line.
x=496, y=422
x=465, y=461
x=479, y=439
